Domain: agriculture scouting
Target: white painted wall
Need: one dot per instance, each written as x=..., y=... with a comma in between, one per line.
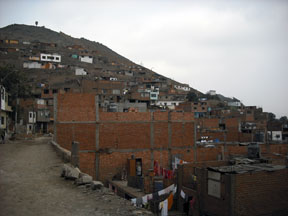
x=3, y=92
x=32, y=117
x=80, y=72
x=184, y=88
x=31, y=65
x=276, y=135
x=41, y=101
x=50, y=57
x=87, y=59
x=234, y=104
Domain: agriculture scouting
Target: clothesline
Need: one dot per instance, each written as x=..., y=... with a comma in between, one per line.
x=166, y=173
x=144, y=200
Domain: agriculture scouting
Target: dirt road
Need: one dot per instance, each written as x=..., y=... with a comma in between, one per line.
x=30, y=184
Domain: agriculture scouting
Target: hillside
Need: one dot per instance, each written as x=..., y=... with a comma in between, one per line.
x=34, y=40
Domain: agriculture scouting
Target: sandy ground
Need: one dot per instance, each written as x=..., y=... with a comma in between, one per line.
x=30, y=184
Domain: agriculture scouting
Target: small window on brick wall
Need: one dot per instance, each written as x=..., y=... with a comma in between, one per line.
x=46, y=91
x=222, y=126
x=214, y=184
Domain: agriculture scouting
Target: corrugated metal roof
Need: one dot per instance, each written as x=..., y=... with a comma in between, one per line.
x=243, y=168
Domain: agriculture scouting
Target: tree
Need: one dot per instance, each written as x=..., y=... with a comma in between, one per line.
x=14, y=81
x=271, y=116
x=191, y=96
x=36, y=23
x=284, y=119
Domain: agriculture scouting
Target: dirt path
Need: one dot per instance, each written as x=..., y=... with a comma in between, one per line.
x=30, y=184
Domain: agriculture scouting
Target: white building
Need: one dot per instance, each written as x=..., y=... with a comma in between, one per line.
x=234, y=104
x=183, y=88
x=168, y=104
x=211, y=92
x=80, y=72
x=50, y=57
x=276, y=135
x=3, y=93
x=31, y=65
x=32, y=117
x=87, y=59
x=154, y=95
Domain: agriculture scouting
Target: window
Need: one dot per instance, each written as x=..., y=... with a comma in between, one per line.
x=222, y=126
x=46, y=91
x=116, y=91
x=195, y=108
x=214, y=184
x=57, y=58
x=43, y=57
x=55, y=91
x=2, y=120
x=66, y=89
x=30, y=115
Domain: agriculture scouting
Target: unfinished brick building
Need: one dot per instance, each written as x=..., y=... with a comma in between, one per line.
x=239, y=190
x=108, y=139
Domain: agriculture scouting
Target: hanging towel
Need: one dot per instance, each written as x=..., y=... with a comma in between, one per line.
x=192, y=202
x=170, y=201
x=133, y=201
x=139, y=201
x=175, y=190
x=182, y=194
x=155, y=167
x=144, y=200
x=149, y=197
x=170, y=188
x=161, y=192
x=164, y=211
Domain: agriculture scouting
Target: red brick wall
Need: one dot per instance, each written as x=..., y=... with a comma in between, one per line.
x=76, y=107
x=262, y=193
x=130, y=133
x=124, y=135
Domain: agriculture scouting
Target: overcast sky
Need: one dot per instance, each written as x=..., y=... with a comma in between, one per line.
x=238, y=48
